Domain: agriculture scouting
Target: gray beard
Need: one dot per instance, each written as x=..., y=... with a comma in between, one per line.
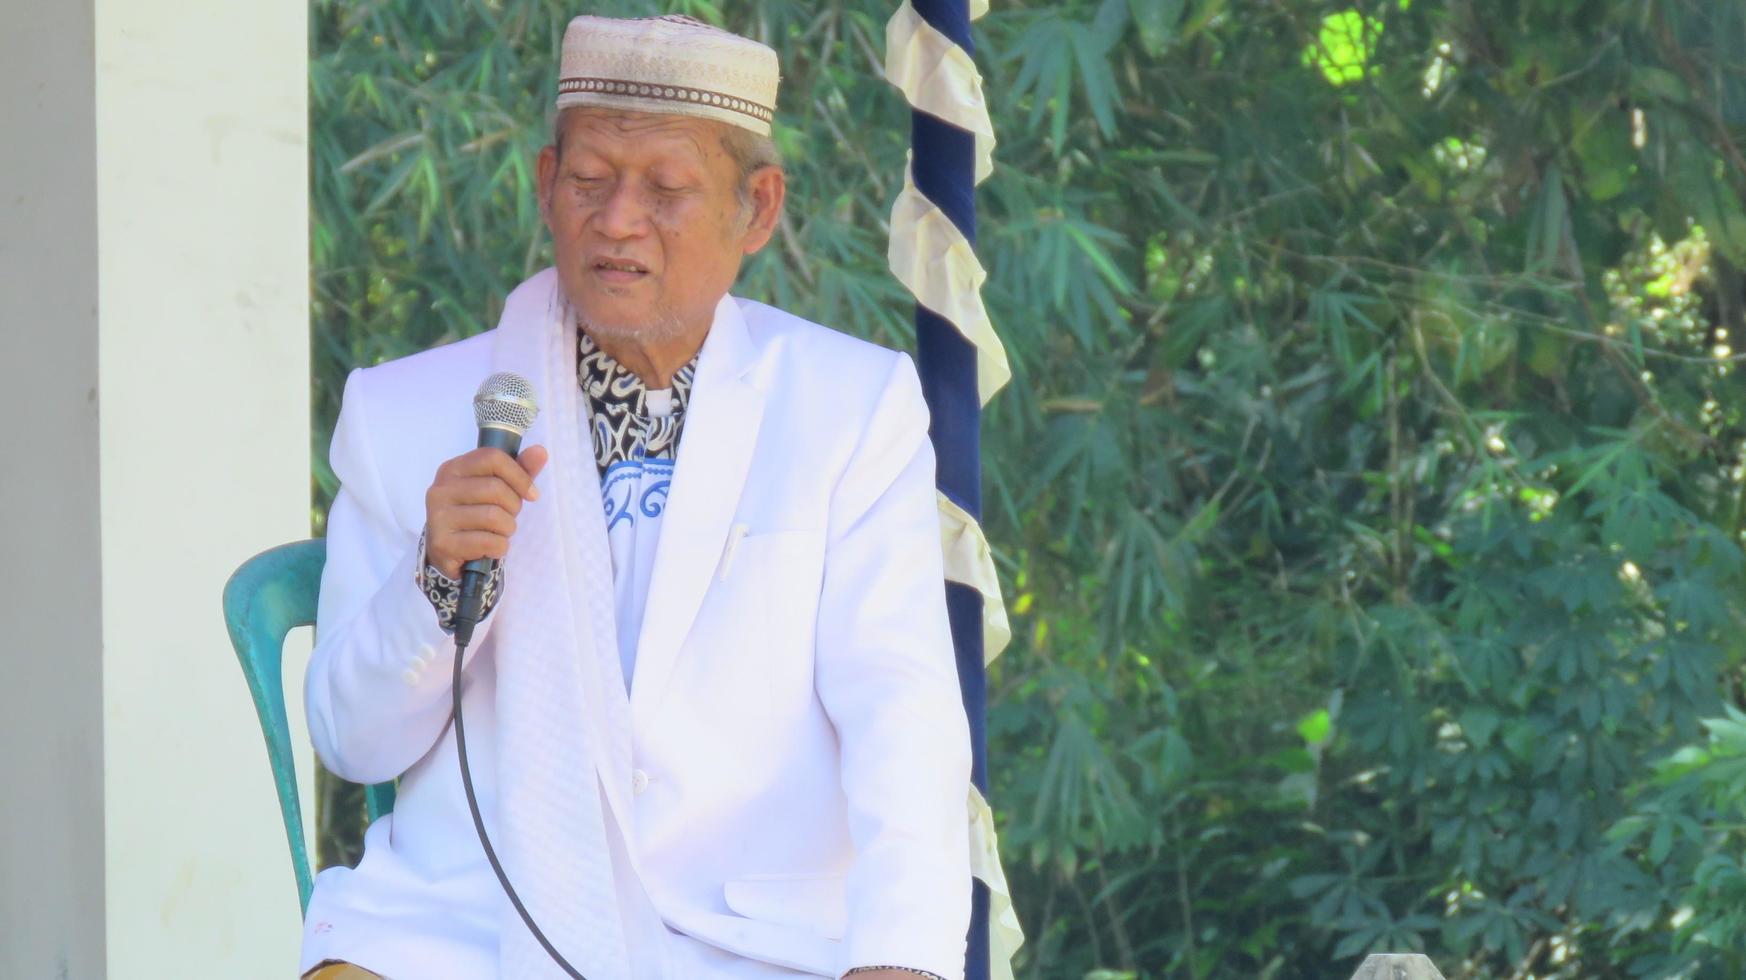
x=664, y=326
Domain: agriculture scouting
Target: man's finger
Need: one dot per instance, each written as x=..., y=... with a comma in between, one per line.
x=478, y=544
x=473, y=462
x=479, y=517
x=476, y=490
x=509, y=471
x=533, y=459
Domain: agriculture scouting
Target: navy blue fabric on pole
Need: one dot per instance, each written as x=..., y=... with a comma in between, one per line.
x=944, y=168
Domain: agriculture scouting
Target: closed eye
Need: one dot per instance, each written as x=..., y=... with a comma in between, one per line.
x=670, y=181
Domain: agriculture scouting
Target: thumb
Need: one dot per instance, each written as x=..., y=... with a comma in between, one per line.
x=533, y=459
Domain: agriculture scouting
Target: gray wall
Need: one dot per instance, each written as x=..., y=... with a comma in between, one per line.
x=51, y=736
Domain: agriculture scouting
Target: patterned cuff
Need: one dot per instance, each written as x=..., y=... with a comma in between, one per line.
x=912, y=971
x=444, y=593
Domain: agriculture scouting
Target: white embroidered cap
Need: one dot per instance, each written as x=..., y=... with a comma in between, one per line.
x=668, y=64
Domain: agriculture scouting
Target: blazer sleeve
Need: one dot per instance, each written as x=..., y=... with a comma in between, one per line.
x=887, y=677
x=378, y=687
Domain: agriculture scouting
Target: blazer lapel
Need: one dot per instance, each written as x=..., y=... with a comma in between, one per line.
x=715, y=452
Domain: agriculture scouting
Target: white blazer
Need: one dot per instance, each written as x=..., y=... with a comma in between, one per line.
x=801, y=755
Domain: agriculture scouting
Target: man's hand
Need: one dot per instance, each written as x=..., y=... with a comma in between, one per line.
x=470, y=509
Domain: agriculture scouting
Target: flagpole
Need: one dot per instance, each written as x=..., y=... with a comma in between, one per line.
x=943, y=166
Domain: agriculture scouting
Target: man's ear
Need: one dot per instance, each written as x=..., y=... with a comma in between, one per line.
x=545, y=173
x=766, y=189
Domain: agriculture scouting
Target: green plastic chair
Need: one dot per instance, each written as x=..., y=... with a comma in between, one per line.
x=270, y=595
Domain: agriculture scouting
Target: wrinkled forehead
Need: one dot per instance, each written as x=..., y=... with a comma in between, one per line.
x=614, y=132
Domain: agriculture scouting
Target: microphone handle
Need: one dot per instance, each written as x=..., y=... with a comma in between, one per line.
x=476, y=573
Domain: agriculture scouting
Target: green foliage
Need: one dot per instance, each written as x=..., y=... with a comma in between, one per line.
x=1344, y=46
x=1369, y=493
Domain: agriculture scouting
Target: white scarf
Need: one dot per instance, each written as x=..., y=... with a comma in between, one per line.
x=563, y=720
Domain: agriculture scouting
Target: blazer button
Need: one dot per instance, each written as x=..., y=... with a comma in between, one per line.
x=639, y=782
x=411, y=676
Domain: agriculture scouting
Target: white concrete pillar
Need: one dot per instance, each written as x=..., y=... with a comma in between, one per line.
x=154, y=347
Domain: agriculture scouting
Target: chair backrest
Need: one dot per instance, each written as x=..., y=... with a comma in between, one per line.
x=269, y=596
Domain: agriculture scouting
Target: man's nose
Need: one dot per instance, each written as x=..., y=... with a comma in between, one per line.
x=623, y=215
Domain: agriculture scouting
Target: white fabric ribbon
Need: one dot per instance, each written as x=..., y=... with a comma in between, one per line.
x=1004, y=934
x=938, y=77
x=970, y=562
x=935, y=262
x=927, y=253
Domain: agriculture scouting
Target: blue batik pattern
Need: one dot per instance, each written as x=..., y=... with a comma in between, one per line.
x=634, y=447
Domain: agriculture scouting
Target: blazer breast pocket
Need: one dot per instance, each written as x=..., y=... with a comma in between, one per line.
x=756, y=549
x=759, y=622
x=772, y=577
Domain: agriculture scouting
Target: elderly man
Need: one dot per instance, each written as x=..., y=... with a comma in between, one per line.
x=711, y=709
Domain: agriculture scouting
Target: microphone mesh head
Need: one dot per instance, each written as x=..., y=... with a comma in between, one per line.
x=505, y=401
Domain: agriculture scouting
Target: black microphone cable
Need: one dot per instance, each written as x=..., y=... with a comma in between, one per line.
x=466, y=617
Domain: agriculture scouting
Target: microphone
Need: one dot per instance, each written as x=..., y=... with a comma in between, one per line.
x=503, y=408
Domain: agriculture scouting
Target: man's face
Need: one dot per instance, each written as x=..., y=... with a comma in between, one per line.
x=646, y=219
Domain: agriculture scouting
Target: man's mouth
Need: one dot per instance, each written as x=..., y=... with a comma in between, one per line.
x=620, y=270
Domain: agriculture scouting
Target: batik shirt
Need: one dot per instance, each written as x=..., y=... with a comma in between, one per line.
x=635, y=434
x=636, y=442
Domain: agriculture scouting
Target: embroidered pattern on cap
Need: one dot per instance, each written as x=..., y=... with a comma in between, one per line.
x=670, y=93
